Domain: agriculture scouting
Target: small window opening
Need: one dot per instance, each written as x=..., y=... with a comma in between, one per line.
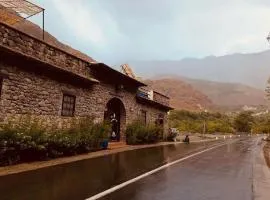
x=68, y=105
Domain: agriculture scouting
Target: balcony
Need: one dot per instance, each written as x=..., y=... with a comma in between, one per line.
x=154, y=98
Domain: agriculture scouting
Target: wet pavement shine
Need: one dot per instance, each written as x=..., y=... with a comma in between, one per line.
x=221, y=173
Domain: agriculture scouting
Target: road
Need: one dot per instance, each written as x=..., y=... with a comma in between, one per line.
x=85, y=178
x=223, y=173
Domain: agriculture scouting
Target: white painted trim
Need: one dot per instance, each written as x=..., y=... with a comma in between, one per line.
x=117, y=187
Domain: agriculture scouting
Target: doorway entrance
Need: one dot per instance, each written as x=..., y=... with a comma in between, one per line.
x=115, y=114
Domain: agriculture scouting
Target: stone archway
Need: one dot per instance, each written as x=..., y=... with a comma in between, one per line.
x=115, y=113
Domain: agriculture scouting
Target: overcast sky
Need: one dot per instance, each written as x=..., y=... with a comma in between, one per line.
x=118, y=31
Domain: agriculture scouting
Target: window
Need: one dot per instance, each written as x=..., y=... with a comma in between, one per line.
x=68, y=105
x=143, y=117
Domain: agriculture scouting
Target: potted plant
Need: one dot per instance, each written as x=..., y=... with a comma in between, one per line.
x=105, y=144
x=104, y=135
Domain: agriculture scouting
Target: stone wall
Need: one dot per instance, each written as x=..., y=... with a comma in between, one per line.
x=24, y=92
x=20, y=42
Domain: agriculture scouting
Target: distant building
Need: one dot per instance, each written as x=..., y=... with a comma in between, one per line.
x=249, y=108
x=39, y=79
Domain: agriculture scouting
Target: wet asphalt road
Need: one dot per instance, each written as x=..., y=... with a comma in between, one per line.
x=82, y=179
x=223, y=173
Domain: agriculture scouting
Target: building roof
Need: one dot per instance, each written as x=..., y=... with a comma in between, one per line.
x=153, y=103
x=115, y=75
x=101, y=68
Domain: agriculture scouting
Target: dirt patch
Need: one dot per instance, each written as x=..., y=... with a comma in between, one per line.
x=266, y=151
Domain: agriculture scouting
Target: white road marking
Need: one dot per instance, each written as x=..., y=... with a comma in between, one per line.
x=117, y=187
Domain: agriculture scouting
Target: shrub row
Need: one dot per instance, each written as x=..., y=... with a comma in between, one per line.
x=138, y=133
x=29, y=140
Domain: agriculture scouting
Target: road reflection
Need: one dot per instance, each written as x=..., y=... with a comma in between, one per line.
x=86, y=178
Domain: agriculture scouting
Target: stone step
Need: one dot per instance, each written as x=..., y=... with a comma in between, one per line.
x=116, y=145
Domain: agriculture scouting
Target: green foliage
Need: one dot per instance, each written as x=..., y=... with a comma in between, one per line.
x=192, y=122
x=193, y=126
x=29, y=139
x=24, y=140
x=219, y=126
x=138, y=133
x=261, y=124
x=243, y=122
x=188, y=115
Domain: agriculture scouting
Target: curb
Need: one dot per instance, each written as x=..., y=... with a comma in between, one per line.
x=261, y=175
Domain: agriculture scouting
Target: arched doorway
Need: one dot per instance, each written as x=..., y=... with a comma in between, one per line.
x=115, y=113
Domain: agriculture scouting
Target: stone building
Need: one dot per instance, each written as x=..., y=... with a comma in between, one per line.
x=42, y=80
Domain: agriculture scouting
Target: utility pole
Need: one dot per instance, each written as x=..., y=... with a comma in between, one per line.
x=204, y=122
x=204, y=127
x=204, y=130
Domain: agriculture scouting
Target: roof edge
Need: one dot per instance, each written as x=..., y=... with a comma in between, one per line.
x=155, y=103
x=139, y=83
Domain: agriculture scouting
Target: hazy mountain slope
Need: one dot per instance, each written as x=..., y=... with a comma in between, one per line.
x=248, y=69
x=186, y=92
x=183, y=95
x=229, y=94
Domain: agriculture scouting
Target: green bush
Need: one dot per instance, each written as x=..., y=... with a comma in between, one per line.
x=244, y=122
x=138, y=133
x=29, y=140
x=23, y=140
x=193, y=122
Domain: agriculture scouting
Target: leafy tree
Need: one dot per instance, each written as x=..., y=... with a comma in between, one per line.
x=243, y=122
x=262, y=124
x=219, y=126
x=187, y=121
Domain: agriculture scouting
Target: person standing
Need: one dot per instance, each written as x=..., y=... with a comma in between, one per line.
x=114, y=127
x=186, y=140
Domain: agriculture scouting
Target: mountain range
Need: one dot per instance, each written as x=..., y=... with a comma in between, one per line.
x=182, y=95
x=248, y=69
x=195, y=94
